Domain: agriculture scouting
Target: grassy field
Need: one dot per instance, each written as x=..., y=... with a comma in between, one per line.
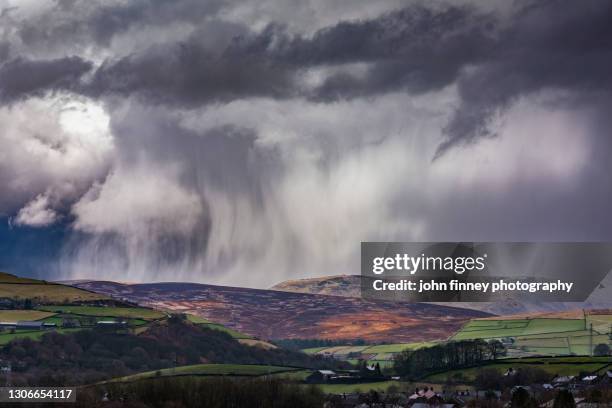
x=50, y=293
x=5, y=338
x=8, y=278
x=489, y=329
x=214, y=370
x=364, y=387
x=15, y=287
x=257, y=343
x=16, y=315
x=566, y=333
x=234, y=333
x=126, y=312
x=313, y=350
x=197, y=319
x=382, y=354
x=554, y=366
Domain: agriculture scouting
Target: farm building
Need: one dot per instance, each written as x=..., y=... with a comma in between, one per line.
x=320, y=376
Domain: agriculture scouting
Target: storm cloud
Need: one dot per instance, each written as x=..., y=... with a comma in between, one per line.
x=22, y=79
x=247, y=142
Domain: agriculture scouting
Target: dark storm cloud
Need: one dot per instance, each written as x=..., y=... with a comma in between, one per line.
x=5, y=48
x=67, y=21
x=549, y=45
x=189, y=75
x=416, y=49
x=22, y=78
x=543, y=45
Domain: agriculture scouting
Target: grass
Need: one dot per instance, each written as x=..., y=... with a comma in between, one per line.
x=8, y=278
x=297, y=375
x=397, y=347
x=554, y=366
x=542, y=335
x=257, y=343
x=375, y=349
x=213, y=370
x=100, y=311
x=234, y=333
x=363, y=387
x=489, y=328
x=47, y=293
x=6, y=338
x=313, y=350
x=16, y=315
x=197, y=319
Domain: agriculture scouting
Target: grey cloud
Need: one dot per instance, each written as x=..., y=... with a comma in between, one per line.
x=83, y=21
x=548, y=45
x=405, y=49
x=5, y=48
x=189, y=75
x=22, y=78
x=493, y=59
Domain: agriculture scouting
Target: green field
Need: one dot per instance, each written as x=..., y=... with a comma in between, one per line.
x=100, y=311
x=554, y=366
x=8, y=278
x=313, y=350
x=5, y=338
x=364, y=387
x=489, y=329
x=16, y=315
x=382, y=354
x=543, y=335
x=15, y=287
x=49, y=293
x=197, y=319
x=238, y=370
x=235, y=334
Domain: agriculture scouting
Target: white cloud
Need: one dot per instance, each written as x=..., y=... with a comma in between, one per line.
x=52, y=148
x=137, y=199
x=37, y=213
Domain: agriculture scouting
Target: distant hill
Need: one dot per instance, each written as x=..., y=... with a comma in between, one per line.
x=272, y=314
x=350, y=286
x=14, y=287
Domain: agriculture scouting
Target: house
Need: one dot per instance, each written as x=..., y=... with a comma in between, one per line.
x=562, y=381
x=590, y=379
x=29, y=325
x=427, y=396
x=320, y=376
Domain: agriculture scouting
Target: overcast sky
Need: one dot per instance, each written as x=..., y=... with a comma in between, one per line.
x=249, y=142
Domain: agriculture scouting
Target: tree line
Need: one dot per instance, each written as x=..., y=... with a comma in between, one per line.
x=418, y=363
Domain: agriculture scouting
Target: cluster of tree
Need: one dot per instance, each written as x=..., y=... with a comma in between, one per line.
x=202, y=392
x=299, y=344
x=415, y=364
x=88, y=356
x=16, y=303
